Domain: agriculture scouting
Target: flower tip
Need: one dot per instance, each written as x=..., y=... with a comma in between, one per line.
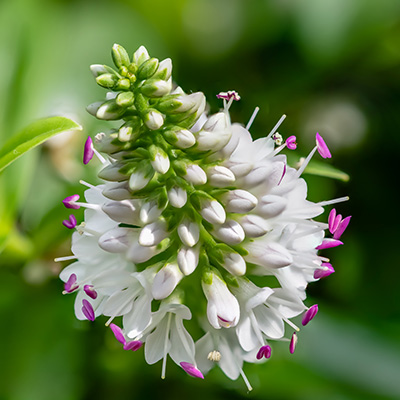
x=88, y=151
x=322, y=147
x=191, y=370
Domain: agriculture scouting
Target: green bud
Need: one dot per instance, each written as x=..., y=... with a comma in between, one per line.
x=98, y=69
x=104, y=142
x=123, y=84
x=125, y=99
x=128, y=168
x=107, y=80
x=120, y=56
x=179, y=167
x=141, y=103
x=207, y=276
x=147, y=69
x=112, y=173
x=156, y=87
x=110, y=110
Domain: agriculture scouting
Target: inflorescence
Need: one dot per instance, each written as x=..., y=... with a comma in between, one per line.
x=190, y=211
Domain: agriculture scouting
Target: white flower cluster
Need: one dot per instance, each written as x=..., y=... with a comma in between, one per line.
x=192, y=209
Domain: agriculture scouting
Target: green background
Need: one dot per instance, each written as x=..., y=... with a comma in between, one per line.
x=332, y=66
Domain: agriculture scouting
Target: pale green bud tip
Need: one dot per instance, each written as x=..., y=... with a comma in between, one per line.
x=98, y=69
x=153, y=120
x=140, y=55
x=156, y=87
x=164, y=69
x=125, y=99
x=120, y=56
x=207, y=277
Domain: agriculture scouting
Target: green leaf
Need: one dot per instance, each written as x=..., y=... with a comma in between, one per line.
x=33, y=135
x=327, y=170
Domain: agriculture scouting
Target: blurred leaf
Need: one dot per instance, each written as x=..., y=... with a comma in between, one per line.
x=33, y=135
x=327, y=170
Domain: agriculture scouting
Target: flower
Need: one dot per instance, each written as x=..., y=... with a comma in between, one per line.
x=184, y=194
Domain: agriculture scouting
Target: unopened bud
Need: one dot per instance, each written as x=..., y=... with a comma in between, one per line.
x=125, y=99
x=147, y=69
x=109, y=110
x=120, y=56
x=140, y=55
x=156, y=87
x=154, y=120
x=164, y=69
x=181, y=138
x=107, y=80
x=159, y=159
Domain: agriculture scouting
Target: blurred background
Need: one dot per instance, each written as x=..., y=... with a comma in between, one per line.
x=332, y=66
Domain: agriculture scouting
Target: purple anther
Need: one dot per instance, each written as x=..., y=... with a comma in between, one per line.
x=328, y=243
x=291, y=143
x=293, y=343
x=117, y=331
x=88, y=150
x=342, y=227
x=265, y=351
x=191, y=370
x=229, y=95
x=309, y=314
x=70, y=200
x=71, y=285
x=322, y=147
x=89, y=290
x=70, y=223
x=333, y=221
x=134, y=345
x=323, y=273
x=87, y=310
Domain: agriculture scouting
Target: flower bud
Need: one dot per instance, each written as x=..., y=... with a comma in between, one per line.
x=154, y=120
x=104, y=142
x=254, y=225
x=130, y=131
x=109, y=110
x=165, y=281
x=177, y=197
x=271, y=206
x=153, y=233
x=112, y=172
x=195, y=175
x=181, y=138
x=159, y=159
x=150, y=212
x=215, y=133
x=189, y=233
x=156, y=87
x=116, y=190
x=164, y=70
x=147, y=69
x=212, y=211
x=124, y=211
x=125, y=99
x=140, y=55
x=140, y=178
x=234, y=264
x=107, y=80
x=188, y=259
x=220, y=176
x=120, y=56
x=230, y=232
x=239, y=201
x=116, y=240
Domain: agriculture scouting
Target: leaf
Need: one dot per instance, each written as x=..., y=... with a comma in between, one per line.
x=327, y=170
x=33, y=135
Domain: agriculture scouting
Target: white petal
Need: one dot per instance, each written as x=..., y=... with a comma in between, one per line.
x=269, y=322
x=195, y=175
x=220, y=176
x=230, y=232
x=116, y=240
x=155, y=343
x=246, y=335
x=189, y=233
x=188, y=258
x=213, y=212
x=235, y=264
x=182, y=345
x=150, y=212
x=125, y=211
x=166, y=281
x=152, y=234
x=177, y=197
x=240, y=201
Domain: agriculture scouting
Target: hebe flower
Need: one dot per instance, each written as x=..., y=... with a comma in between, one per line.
x=190, y=203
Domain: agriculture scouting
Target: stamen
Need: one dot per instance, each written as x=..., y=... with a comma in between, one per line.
x=117, y=331
x=79, y=204
x=120, y=308
x=309, y=314
x=191, y=370
x=322, y=147
x=323, y=272
x=70, y=285
x=88, y=150
x=87, y=310
x=214, y=355
x=70, y=223
x=82, y=182
x=342, y=227
x=89, y=290
x=265, y=351
x=329, y=243
x=333, y=201
x=291, y=142
x=252, y=118
x=66, y=258
x=275, y=128
x=305, y=162
x=133, y=345
x=164, y=363
x=70, y=201
x=246, y=381
x=293, y=343
x=100, y=157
